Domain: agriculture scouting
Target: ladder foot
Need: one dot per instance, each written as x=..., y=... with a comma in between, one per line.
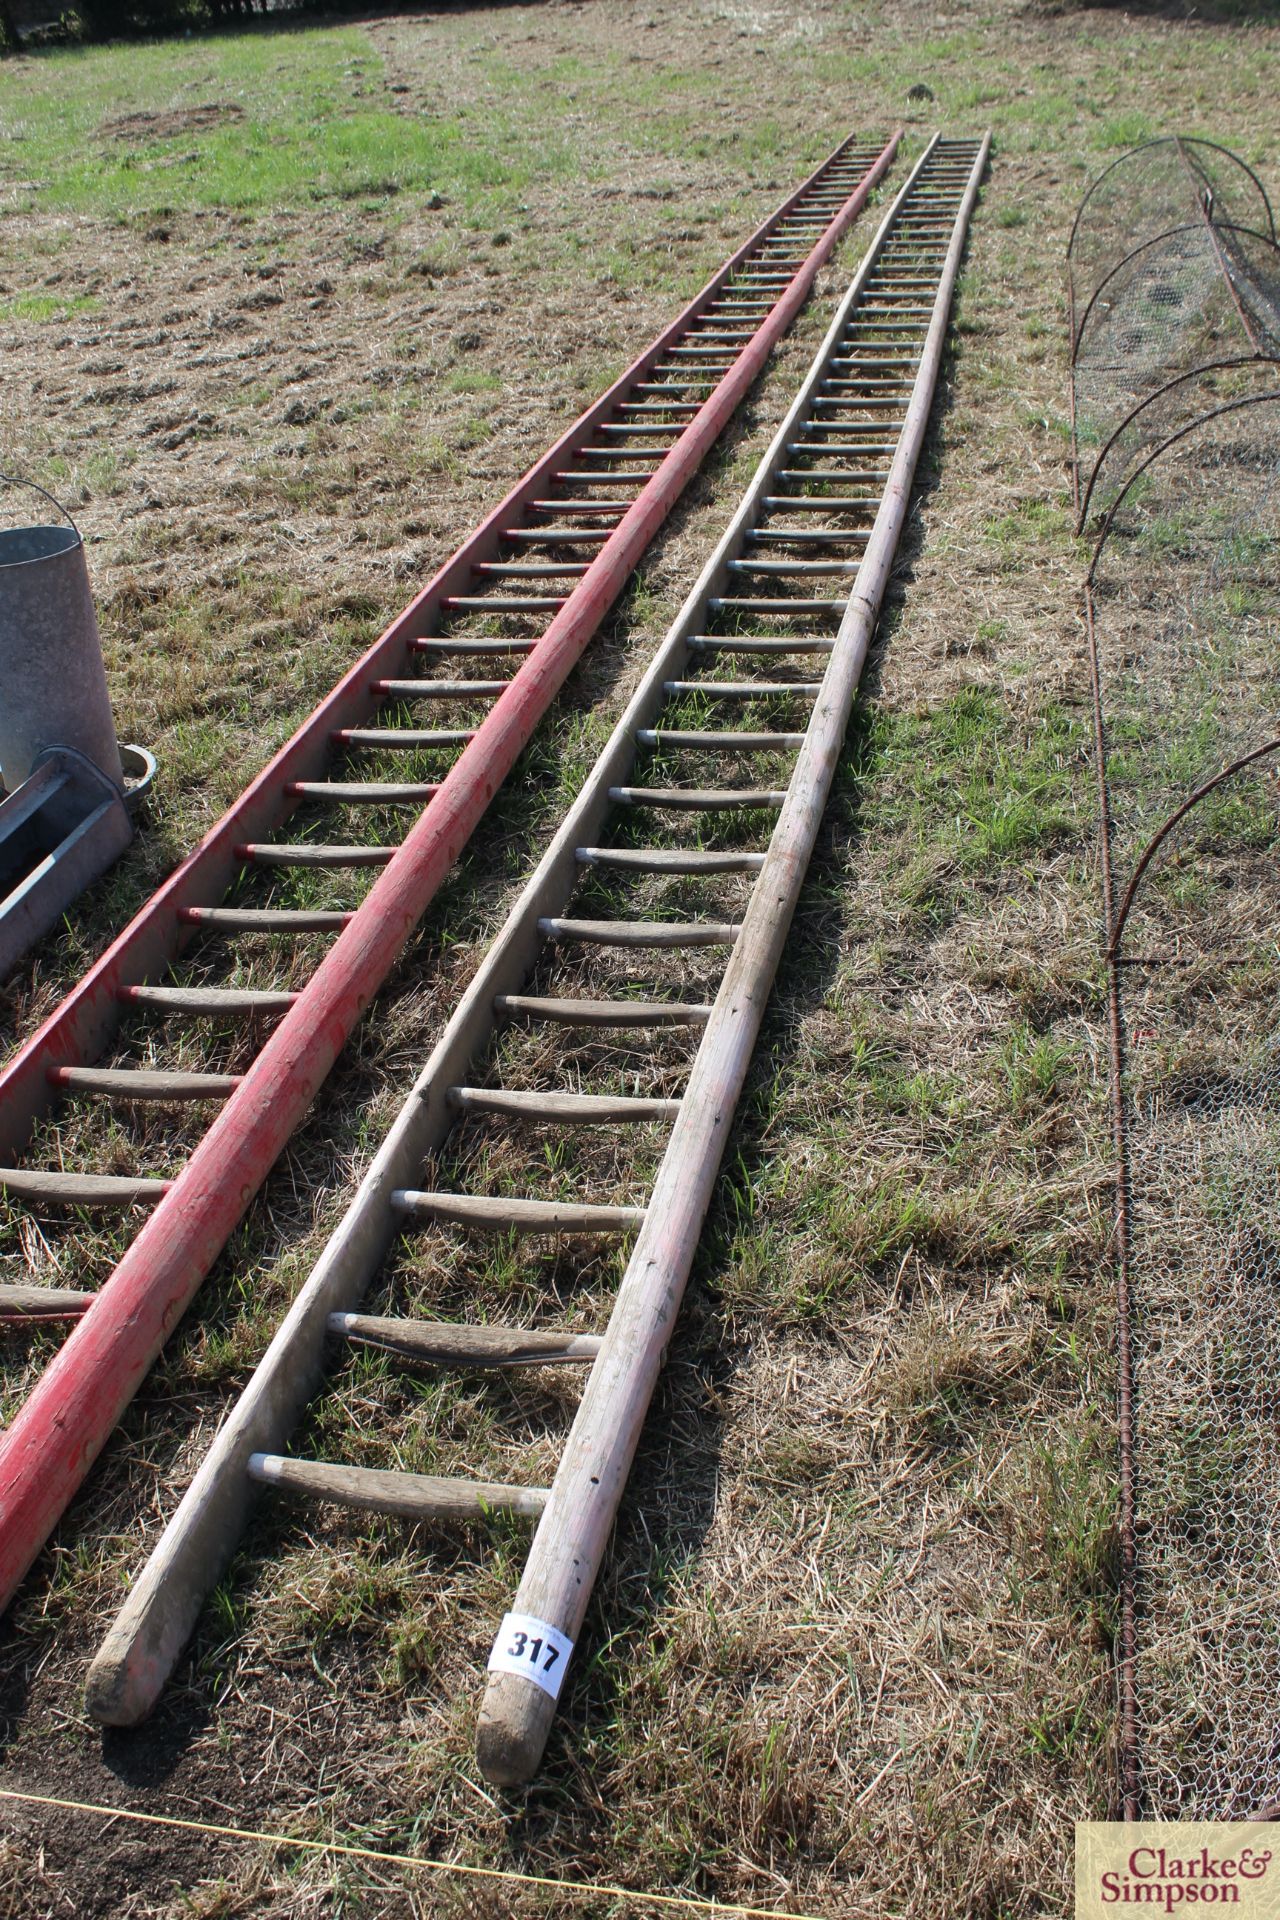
x=515, y=1721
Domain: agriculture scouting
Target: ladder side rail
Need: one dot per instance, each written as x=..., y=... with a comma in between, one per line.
x=571, y=1537
x=145, y=1640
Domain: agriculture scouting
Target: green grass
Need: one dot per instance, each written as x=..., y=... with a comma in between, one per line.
x=283, y=147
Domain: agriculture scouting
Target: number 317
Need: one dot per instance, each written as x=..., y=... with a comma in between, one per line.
x=524, y=1648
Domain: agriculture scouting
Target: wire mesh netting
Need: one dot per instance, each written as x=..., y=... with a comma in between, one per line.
x=1186, y=618
x=1174, y=272
x=1183, y=600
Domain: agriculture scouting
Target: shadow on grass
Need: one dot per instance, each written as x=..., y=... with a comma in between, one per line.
x=32, y=29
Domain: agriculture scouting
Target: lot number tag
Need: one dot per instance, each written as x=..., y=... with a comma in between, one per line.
x=532, y=1649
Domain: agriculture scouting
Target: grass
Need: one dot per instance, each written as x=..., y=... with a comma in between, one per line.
x=110, y=137
x=851, y=1652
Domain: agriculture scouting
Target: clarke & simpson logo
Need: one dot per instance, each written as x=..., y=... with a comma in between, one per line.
x=1171, y=1869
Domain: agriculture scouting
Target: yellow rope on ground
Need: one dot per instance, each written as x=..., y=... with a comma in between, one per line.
x=685, y=1902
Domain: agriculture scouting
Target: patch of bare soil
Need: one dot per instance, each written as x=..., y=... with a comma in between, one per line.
x=162, y=126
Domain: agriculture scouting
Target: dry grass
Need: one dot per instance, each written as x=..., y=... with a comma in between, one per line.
x=850, y=1652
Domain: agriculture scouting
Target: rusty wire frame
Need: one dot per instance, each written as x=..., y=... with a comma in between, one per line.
x=1177, y=438
x=1173, y=285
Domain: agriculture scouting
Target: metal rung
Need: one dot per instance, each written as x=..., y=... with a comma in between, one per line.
x=580, y=506
x=565, y=1109
x=790, y=569
x=530, y=569
x=264, y=919
x=446, y=1344
x=19, y=1302
x=138, y=1083
x=207, y=1000
x=696, y=799
x=742, y=689
x=440, y=689
x=669, y=860
x=480, y=603
x=83, y=1189
x=834, y=607
x=825, y=503
x=761, y=643
x=718, y=742
x=364, y=791
x=527, y=1216
x=812, y=536
x=405, y=1496
x=844, y=448
x=302, y=854
x=603, y=1013
x=591, y=480
x=623, y=453
x=463, y=645
x=403, y=736
x=560, y=536
x=640, y=933
x=827, y=476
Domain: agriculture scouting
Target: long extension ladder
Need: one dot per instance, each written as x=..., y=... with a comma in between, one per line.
x=711, y=788
x=519, y=601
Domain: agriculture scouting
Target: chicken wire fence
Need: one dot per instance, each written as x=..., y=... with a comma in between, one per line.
x=1183, y=608
x=1174, y=285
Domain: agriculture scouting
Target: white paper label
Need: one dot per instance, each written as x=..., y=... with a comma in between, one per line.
x=532, y=1649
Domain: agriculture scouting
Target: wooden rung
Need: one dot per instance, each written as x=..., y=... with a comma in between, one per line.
x=363, y=791
x=303, y=854
x=449, y=1345
x=669, y=859
x=718, y=742
x=440, y=689
x=139, y=1083
x=20, y=1302
x=696, y=799
x=264, y=919
x=590, y=1109
x=642, y=933
x=207, y=1000
x=603, y=1013
x=496, y=1214
x=82, y=1189
x=406, y=1496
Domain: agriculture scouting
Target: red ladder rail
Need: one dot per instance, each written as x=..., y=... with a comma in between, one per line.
x=63, y=1425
